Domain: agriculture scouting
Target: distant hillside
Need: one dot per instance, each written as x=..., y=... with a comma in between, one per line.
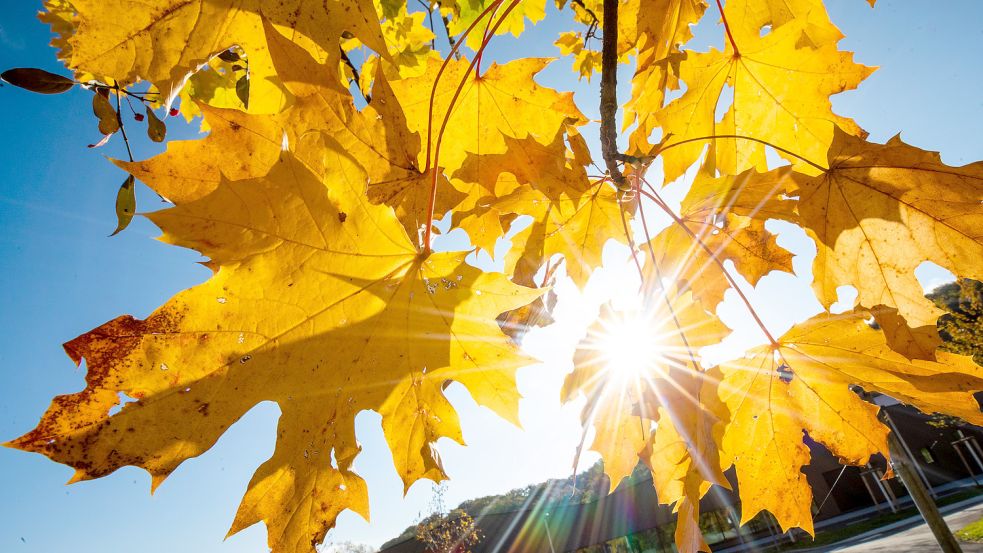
x=589, y=486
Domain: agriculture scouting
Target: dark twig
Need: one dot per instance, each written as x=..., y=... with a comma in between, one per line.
x=450, y=37
x=141, y=96
x=433, y=41
x=356, y=80
x=609, y=94
x=119, y=119
x=348, y=62
x=588, y=11
x=129, y=104
x=594, y=24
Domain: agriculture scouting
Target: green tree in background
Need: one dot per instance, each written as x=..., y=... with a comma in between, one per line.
x=961, y=327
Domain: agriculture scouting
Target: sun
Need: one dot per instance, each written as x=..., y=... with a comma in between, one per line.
x=628, y=346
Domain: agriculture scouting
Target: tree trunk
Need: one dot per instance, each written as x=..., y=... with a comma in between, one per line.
x=919, y=494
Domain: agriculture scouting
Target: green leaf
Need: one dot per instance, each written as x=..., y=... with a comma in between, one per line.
x=156, y=129
x=126, y=204
x=242, y=90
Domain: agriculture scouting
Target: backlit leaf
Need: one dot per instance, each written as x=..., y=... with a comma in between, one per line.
x=156, y=129
x=882, y=210
x=348, y=309
x=101, y=108
x=774, y=395
x=126, y=205
x=780, y=94
x=164, y=40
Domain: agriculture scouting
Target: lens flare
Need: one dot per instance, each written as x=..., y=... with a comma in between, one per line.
x=629, y=348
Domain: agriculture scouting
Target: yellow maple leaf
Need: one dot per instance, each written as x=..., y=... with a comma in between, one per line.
x=876, y=214
x=913, y=343
x=409, y=41
x=321, y=116
x=213, y=82
x=319, y=302
x=504, y=101
x=378, y=137
x=586, y=61
x=464, y=12
x=163, y=41
x=711, y=230
x=573, y=216
x=63, y=19
x=575, y=227
x=683, y=455
x=882, y=210
x=780, y=95
x=190, y=169
x=695, y=258
x=750, y=194
x=657, y=30
x=804, y=385
x=218, y=84
x=747, y=18
x=549, y=168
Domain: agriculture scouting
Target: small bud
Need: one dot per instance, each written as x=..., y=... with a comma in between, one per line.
x=174, y=112
x=138, y=116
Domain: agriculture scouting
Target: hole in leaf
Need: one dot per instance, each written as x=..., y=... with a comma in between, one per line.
x=123, y=400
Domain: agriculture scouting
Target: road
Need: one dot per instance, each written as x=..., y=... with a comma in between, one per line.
x=916, y=539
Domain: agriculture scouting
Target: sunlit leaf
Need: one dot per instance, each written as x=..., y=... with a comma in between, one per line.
x=104, y=111
x=358, y=311
x=126, y=204
x=156, y=129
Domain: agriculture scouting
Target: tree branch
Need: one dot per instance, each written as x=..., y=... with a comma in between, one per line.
x=609, y=94
x=450, y=37
x=119, y=120
x=433, y=41
x=348, y=62
x=580, y=4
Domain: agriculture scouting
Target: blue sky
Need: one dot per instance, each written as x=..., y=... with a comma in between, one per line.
x=60, y=275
